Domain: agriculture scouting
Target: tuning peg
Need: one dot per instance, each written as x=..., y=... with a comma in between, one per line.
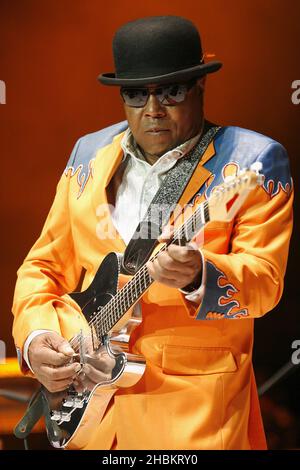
x=256, y=166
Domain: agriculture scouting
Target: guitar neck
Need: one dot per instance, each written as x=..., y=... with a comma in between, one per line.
x=133, y=290
x=223, y=203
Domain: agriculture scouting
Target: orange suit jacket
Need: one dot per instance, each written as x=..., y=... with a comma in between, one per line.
x=198, y=391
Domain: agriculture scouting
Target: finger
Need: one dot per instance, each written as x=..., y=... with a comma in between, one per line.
x=192, y=246
x=170, y=279
x=184, y=254
x=66, y=349
x=177, y=279
x=96, y=376
x=166, y=234
x=168, y=264
x=58, y=385
x=174, y=283
x=59, y=344
x=161, y=273
x=180, y=272
x=150, y=269
x=53, y=358
x=86, y=384
x=60, y=373
x=79, y=387
x=102, y=362
x=83, y=382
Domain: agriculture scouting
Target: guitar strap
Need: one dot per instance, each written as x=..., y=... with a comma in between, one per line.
x=163, y=204
x=38, y=407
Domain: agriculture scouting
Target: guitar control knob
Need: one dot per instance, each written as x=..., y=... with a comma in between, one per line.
x=73, y=402
x=60, y=416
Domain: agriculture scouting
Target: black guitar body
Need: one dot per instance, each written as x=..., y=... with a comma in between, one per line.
x=71, y=413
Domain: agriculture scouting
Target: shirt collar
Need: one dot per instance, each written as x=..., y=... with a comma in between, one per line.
x=131, y=148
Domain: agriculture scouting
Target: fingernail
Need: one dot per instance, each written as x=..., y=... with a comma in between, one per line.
x=77, y=367
x=68, y=350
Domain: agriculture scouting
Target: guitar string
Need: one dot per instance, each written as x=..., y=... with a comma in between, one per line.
x=142, y=273
x=141, y=276
x=130, y=287
x=120, y=298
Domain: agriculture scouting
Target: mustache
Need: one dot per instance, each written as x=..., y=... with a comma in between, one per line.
x=156, y=126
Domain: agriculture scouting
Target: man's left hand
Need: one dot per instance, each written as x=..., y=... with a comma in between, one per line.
x=178, y=266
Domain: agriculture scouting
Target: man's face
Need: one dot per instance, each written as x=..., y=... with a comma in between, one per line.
x=158, y=128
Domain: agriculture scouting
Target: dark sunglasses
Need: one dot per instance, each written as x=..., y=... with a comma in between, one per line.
x=167, y=95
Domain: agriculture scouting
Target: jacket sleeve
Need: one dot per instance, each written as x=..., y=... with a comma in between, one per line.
x=49, y=271
x=247, y=281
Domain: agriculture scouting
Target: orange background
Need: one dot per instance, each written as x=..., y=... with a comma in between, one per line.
x=50, y=55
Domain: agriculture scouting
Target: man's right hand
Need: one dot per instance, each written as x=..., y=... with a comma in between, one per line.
x=49, y=355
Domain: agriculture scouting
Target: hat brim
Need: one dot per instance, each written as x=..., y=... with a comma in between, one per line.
x=186, y=74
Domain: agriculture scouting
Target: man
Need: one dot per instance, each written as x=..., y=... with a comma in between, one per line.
x=198, y=390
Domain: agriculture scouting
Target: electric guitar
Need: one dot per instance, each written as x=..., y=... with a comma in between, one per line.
x=111, y=320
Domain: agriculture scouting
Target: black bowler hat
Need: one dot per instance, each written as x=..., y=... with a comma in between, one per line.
x=157, y=49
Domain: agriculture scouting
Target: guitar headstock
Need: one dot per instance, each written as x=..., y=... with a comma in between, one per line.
x=225, y=200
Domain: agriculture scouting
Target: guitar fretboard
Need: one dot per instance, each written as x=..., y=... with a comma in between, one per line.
x=126, y=297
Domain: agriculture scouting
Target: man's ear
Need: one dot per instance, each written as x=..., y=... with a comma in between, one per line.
x=201, y=83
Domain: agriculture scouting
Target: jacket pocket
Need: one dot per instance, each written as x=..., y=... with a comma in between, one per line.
x=186, y=360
